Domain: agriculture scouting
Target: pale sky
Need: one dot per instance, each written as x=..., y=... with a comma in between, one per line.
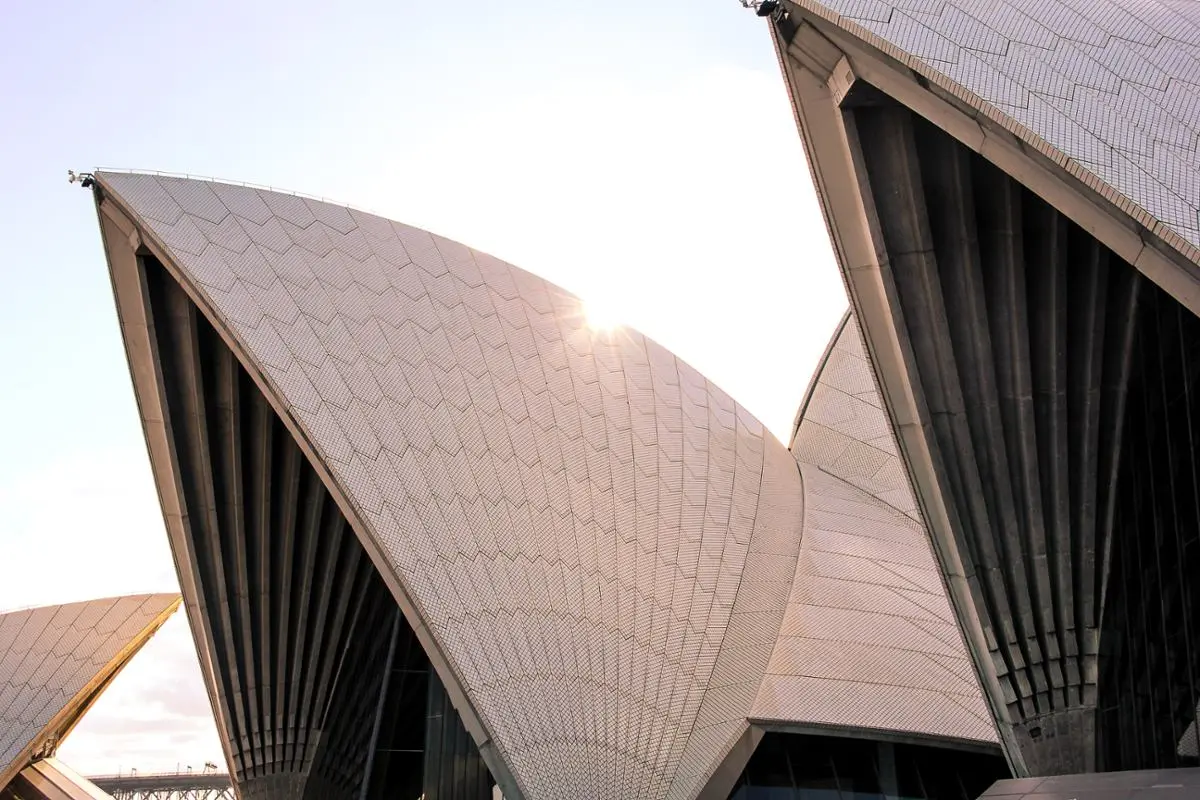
x=640, y=154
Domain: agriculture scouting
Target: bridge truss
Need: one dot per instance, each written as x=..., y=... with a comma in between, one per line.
x=167, y=786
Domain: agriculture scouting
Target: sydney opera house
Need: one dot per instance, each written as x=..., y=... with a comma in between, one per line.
x=438, y=537
x=55, y=662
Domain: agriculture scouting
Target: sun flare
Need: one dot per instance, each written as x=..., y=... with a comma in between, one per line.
x=600, y=315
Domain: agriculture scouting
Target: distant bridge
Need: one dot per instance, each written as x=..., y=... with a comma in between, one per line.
x=167, y=786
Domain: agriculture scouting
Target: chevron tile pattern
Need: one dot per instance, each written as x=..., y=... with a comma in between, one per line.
x=869, y=640
x=843, y=426
x=600, y=540
x=1113, y=87
x=49, y=655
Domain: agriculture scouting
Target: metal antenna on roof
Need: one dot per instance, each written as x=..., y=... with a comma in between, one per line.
x=84, y=179
x=766, y=8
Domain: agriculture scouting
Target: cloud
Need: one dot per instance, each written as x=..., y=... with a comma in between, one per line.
x=84, y=527
x=154, y=716
x=90, y=526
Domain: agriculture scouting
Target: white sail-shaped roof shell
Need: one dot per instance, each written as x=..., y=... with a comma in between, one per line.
x=55, y=661
x=1088, y=107
x=869, y=641
x=595, y=542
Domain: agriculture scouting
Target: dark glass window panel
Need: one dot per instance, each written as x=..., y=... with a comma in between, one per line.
x=939, y=776
x=1150, y=674
x=770, y=793
x=856, y=762
x=818, y=793
x=398, y=775
x=908, y=777
x=977, y=772
x=799, y=767
x=399, y=757
x=770, y=764
x=813, y=764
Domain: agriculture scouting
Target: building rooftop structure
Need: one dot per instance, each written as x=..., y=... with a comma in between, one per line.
x=436, y=533
x=406, y=482
x=55, y=661
x=868, y=640
x=1011, y=189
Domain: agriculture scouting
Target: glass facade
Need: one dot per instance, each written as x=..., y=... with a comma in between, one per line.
x=397, y=760
x=1150, y=646
x=420, y=749
x=798, y=767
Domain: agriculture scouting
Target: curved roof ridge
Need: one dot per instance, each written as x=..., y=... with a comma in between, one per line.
x=34, y=606
x=233, y=182
x=816, y=376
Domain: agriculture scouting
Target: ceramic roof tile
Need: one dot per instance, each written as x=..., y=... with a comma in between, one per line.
x=51, y=658
x=868, y=640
